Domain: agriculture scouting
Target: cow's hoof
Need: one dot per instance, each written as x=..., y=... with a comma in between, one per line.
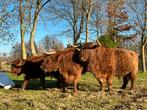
x=102, y=94
x=75, y=94
x=131, y=92
x=123, y=87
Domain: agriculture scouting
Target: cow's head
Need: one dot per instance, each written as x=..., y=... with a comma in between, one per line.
x=85, y=54
x=50, y=64
x=16, y=67
x=87, y=50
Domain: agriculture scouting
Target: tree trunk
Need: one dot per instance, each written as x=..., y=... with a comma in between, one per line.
x=23, y=48
x=39, y=6
x=143, y=58
x=77, y=31
x=144, y=39
x=33, y=31
x=74, y=23
x=88, y=14
x=32, y=35
x=87, y=32
x=22, y=32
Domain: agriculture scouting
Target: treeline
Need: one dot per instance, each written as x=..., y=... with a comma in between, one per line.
x=115, y=23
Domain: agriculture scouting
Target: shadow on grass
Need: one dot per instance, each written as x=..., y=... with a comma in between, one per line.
x=35, y=84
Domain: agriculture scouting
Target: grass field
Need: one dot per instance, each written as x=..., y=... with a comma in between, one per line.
x=88, y=96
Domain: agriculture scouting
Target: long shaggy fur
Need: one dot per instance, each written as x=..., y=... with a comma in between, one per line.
x=68, y=65
x=105, y=63
x=31, y=69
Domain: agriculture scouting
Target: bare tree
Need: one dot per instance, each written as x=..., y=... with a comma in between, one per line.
x=24, y=22
x=28, y=13
x=72, y=14
x=87, y=9
x=139, y=10
x=98, y=18
x=144, y=37
x=39, y=5
x=6, y=21
x=16, y=50
x=50, y=43
x=76, y=31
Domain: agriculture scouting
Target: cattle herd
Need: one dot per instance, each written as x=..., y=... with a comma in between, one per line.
x=68, y=65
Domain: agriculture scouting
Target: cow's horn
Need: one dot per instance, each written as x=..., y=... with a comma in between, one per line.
x=72, y=45
x=78, y=49
x=51, y=52
x=47, y=53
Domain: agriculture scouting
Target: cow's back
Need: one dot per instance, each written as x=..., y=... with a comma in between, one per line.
x=125, y=61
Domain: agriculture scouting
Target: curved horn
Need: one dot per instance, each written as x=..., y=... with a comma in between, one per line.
x=72, y=45
x=41, y=51
x=78, y=49
x=98, y=42
x=47, y=53
x=50, y=53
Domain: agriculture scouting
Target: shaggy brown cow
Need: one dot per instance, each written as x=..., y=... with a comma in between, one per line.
x=31, y=69
x=105, y=63
x=68, y=65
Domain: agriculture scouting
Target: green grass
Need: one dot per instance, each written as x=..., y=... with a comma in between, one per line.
x=88, y=96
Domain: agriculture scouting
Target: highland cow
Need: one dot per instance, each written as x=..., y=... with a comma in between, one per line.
x=31, y=69
x=105, y=63
x=67, y=64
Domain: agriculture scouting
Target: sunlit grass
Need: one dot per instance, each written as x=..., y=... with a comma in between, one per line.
x=88, y=96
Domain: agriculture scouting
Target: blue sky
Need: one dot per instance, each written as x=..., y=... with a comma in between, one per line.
x=42, y=31
x=50, y=29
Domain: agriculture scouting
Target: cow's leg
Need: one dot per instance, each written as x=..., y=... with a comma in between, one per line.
x=63, y=87
x=42, y=80
x=103, y=84
x=100, y=85
x=75, y=91
x=98, y=78
x=125, y=81
x=109, y=82
x=133, y=80
x=62, y=84
x=25, y=84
